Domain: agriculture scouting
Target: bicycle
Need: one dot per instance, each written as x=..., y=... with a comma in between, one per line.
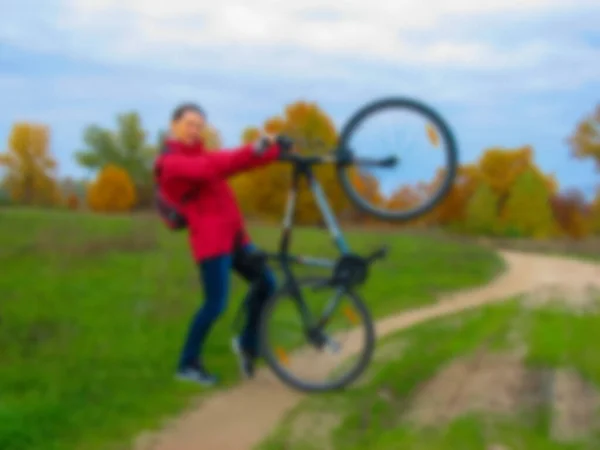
x=349, y=271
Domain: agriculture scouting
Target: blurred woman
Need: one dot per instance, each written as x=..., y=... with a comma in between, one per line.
x=218, y=238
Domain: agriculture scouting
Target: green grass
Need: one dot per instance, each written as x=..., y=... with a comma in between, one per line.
x=555, y=338
x=94, y=309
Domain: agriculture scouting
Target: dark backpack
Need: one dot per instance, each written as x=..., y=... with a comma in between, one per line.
x=167, y=210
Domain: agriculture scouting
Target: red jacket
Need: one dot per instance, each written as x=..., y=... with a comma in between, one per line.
x=214, y=219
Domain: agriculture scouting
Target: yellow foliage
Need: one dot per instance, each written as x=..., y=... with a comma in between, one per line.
x=263, y=193
x=500, y=167
x=274, y=125
x=528, y=211
x=30, y=177
x=250, y=135
x=112, y=191
x=585, y=141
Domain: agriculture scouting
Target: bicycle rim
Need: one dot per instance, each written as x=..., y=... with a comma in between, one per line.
x=424, y=145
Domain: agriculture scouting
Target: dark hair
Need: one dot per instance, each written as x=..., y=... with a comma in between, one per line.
x=186, y=107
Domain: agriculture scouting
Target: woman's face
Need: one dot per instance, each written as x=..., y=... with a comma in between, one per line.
x=188, y=127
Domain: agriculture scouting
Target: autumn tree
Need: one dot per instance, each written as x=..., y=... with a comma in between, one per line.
x=571, y=212
x=585, y=141
x=404, y=198
x=367, y=187
x=482, y=211
x=112, y=191
x=125, y=147
x=70, y=186
x=527, y=211
x=263, y=192
x=452, y=209
x=250, y=135
x=30, y=168
x=595, y=215
x=73, y=202
x=500, y=167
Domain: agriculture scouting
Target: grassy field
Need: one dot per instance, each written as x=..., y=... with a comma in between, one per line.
x=94, y=309
x=486, y=379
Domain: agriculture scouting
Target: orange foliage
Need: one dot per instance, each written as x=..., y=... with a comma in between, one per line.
x=367, y=187
x=452, y=208
x=595, y=215
x=571, y=212
x=585, y=141
x=403, y=199
x=73, y=202
x=112, y=191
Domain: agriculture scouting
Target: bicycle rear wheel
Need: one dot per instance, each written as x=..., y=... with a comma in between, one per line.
x=317, y=359
x=423, y=145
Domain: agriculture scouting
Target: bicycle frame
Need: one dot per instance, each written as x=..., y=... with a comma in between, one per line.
x=302, y=167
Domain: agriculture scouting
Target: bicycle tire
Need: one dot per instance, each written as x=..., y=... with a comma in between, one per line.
x=272, y=361
x=411, y=105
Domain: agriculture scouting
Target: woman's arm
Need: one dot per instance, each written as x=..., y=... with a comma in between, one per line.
x=215, y=164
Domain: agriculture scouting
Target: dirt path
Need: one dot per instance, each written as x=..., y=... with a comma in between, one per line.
x=240, y=418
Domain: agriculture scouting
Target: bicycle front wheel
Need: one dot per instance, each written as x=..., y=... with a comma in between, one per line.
x=418, y=139
x=313, y=358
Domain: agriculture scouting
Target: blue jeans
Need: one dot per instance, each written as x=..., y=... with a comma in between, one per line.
x=215, y=274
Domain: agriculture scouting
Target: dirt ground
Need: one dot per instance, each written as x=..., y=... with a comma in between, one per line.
x=238, y=419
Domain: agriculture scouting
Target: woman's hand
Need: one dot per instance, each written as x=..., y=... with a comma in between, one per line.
x=263, y=143
x=267, y=140
x=286, y=145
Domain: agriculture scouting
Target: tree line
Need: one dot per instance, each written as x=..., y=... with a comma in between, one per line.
x=503, y=193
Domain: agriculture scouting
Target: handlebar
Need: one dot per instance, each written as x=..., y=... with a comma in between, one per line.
x=341, y=157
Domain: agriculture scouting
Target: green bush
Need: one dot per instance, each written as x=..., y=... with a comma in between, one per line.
x=528, y=210
x=482, y=211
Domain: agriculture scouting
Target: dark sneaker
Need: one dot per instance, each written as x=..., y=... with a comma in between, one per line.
x=245, y=360
x=197, y=375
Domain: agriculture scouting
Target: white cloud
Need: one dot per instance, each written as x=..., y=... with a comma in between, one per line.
x=240, y=33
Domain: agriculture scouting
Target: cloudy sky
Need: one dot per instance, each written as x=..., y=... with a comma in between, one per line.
x=503, y=72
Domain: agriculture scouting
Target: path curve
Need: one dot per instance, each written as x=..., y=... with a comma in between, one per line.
x=240, y=418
